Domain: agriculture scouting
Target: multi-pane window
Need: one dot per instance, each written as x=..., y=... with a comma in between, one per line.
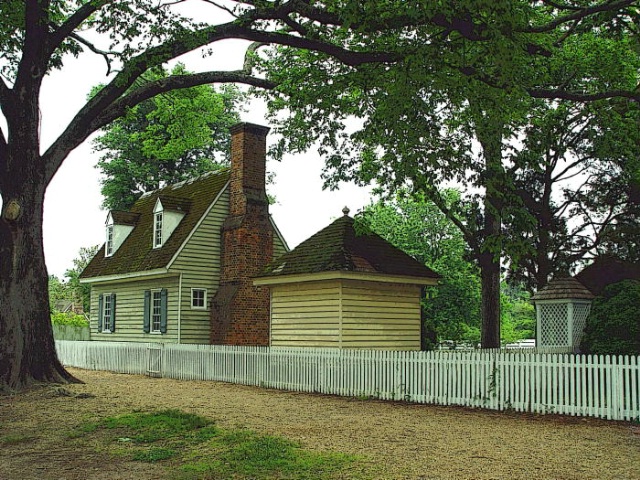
x=109, y=243
x=156, y=310
x=157, y=230
x=107, y=312
x=198, y=298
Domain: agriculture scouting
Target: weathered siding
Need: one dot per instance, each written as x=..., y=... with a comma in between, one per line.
x=130, y=310
x=306, y=314
x=346, y=314
x=380, y=316
x=199, y=263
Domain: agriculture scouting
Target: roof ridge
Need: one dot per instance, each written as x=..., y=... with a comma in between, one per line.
x=186, y=181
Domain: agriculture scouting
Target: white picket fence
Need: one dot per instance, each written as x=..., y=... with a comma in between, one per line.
x=598, y=386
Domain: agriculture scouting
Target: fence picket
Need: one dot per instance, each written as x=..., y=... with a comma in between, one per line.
x=587, y=385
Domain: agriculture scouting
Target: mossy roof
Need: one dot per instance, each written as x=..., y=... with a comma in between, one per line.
x=342, y=246
x=137, y=254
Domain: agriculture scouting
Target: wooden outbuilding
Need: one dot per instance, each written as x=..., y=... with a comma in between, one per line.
x=562, y=308
x=346, y=287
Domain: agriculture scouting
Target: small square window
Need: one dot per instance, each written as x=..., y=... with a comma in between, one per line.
x=198, y=298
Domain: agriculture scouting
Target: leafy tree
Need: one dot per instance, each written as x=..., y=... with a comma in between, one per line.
x=570, y=176
x=419, y=228
x=134, y=37
x=452, y=309
x=81, y=292
x=502, y=43
x=58, y=290
x=454, y=113
x=612, y=326
x=166, y=139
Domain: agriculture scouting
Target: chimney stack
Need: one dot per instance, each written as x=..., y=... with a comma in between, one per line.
x=240, y=311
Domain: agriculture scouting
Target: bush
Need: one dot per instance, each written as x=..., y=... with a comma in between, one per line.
x=73, y=319
x=613, y=326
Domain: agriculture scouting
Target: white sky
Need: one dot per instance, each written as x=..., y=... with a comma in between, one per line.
x=73, y=217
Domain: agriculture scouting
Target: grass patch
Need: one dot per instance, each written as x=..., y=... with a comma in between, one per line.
x=194, y=448
x=245, y=454
x=16, y=439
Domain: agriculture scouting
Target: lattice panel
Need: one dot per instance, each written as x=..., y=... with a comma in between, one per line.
x=554, y=327
x=580, y=314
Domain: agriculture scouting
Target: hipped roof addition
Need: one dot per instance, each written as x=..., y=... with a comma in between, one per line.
x=344, y=247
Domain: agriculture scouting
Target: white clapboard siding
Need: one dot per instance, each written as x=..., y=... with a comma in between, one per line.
x=582, y=385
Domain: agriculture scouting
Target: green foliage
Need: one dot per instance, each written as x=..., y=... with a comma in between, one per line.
x=518, y=318
x=166, y=139
x=419, y=228
x=201, y=450
x=60, y=318
x=613, y=326
x=81, y=292
x=58, y=291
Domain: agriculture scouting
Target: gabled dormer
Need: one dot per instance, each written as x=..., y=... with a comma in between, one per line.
x=118, y=227
x=168, y=212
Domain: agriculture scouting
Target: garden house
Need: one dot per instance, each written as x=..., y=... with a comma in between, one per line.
x=346, y=287
x=562, y=308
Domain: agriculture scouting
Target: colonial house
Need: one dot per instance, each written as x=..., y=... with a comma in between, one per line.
x=177, y=267
x=346, y=287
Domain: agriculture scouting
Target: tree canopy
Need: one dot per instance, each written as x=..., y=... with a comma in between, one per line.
x=384, y=62
x=166, y=139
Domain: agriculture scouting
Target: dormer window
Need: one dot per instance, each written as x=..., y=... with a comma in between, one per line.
x=118, y=227
x=167, y=215
x=157, y=230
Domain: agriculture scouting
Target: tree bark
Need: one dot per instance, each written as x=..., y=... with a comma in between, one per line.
x=489, y=133
x=27, y=349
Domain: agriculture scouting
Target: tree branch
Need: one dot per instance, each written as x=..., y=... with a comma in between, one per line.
x=608, y=6
x=94, y=49
x=5, y=91
x=583, y=97
x=74, y=21
x=87, y=121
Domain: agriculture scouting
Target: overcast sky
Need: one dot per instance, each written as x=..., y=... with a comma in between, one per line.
x=73, y=217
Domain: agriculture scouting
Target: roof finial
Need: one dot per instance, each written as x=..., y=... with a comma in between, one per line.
x=346, y=211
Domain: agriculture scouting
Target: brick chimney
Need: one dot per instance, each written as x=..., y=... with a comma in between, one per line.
x=239, y=310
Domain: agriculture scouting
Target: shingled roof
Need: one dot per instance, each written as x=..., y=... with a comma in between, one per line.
x=137, y=254
x=341, y=247
x=563, y=288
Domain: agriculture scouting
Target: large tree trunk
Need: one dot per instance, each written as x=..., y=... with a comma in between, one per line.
x=27, y=349
x=489, y=133
x=490, y=287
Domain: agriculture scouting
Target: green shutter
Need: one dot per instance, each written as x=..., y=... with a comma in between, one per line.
x=100, y=311
x=163, y=310
x=113, y=312
x=147, y=311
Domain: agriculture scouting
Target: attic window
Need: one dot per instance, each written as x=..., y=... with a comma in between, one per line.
x=157, y=230
x=109, y=244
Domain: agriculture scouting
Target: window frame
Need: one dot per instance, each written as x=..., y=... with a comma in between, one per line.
x=158, y=219
x=203, y=299
x=108, y=247
x=107, y=313
x=155, y=311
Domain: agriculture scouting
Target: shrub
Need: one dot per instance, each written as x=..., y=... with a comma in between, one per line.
x=613, y=326
x=73, y=319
